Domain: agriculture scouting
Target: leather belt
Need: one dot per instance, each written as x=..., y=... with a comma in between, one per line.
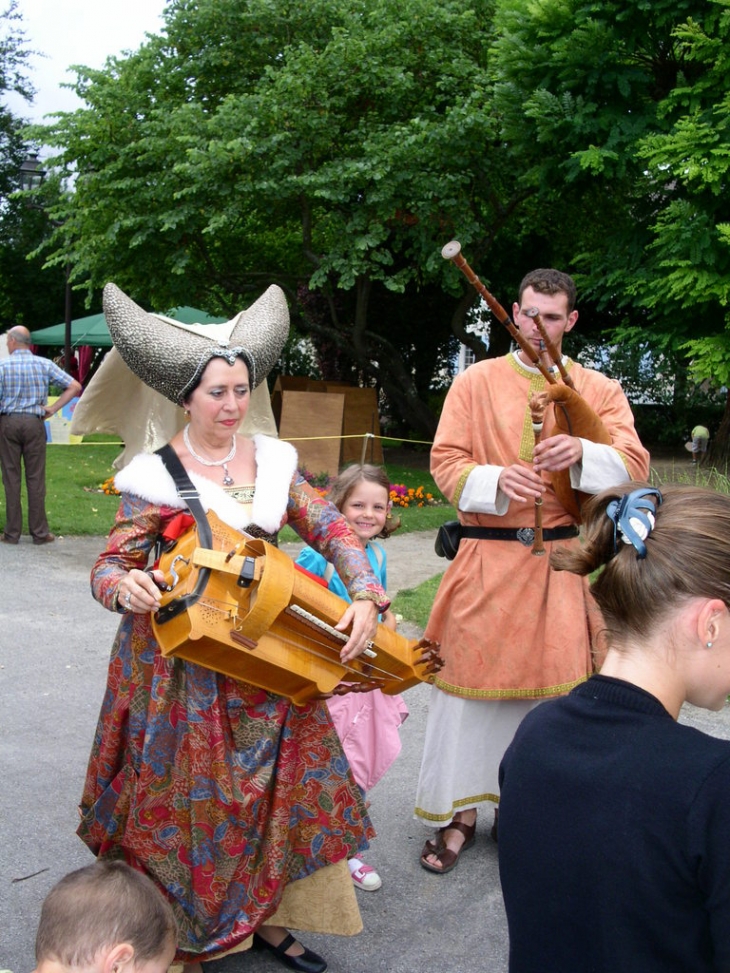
x=525, y=535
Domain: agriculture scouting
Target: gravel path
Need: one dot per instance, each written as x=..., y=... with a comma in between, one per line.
x=54, y=648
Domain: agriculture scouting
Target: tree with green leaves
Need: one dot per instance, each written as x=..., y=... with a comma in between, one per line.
x=689, y=263
x=617, y=115
x=14, y=56
x=332, y=148
x=28, y=294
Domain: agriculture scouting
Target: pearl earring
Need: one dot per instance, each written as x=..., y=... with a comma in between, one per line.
x=708, y=644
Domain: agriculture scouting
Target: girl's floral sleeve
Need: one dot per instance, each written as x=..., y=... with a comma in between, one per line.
x=130, y=541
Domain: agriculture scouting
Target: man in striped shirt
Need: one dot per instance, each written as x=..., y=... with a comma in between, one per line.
x=24, y=382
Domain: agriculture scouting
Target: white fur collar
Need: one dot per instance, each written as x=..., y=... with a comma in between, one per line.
x=276, y=462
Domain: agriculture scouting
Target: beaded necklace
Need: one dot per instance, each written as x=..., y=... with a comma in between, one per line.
x=227, y=478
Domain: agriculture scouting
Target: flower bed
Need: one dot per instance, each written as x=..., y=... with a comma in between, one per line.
x=403, y=496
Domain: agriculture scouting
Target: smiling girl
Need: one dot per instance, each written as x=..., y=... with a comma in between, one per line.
x=367, y=723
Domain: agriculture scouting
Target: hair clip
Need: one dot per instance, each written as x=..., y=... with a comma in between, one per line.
x=633, y=518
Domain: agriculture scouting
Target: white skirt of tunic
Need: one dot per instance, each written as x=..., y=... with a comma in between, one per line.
x=464, y=745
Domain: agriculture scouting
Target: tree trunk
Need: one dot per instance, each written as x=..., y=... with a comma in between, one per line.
x=410, y=409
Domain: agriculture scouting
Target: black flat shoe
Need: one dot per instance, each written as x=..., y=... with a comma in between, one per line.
x=308, y=962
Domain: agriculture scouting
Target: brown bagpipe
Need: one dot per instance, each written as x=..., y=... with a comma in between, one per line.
x=241, y=607
x=573, y=416
x=571, y=413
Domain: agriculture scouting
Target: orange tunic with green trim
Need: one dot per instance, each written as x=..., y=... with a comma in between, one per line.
x=509, y=626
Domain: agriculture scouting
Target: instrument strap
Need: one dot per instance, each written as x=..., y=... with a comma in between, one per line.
x=187, y=492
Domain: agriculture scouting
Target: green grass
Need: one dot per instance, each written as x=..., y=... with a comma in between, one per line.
x=73, y=502
x=101, y=437
x=692, y=476
x=74, y=474
x=412, y=518
x=414, y=604
x=76, y=506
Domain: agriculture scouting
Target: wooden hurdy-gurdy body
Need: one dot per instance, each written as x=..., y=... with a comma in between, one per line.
x=251, y=614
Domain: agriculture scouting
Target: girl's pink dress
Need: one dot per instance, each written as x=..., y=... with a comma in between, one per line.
x=367, y=723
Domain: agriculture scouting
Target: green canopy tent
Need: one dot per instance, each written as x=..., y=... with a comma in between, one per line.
x=93, y=331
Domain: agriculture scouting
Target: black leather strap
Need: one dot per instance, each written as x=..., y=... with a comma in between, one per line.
x=190, y=495
x=525, y=535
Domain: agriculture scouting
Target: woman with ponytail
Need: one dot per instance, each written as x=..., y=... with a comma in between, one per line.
x=614, y=827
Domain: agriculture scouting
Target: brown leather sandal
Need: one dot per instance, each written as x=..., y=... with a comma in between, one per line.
x=435, y=845
x=449, y=859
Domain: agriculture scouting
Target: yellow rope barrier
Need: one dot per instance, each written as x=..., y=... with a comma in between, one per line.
x=287, y=439
x=358, y=435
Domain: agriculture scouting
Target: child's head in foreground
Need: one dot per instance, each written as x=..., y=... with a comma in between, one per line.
x=105, y=918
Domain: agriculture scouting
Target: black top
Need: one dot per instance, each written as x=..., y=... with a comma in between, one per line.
x=614, y=838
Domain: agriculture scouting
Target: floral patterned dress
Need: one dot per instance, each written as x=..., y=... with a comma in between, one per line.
x=221, y=792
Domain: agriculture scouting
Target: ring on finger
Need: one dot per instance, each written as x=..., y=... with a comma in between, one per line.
x=128, y=599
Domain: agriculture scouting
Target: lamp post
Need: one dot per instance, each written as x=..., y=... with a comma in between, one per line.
x=32, y=175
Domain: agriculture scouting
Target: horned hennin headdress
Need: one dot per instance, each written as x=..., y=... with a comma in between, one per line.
x=169, y=356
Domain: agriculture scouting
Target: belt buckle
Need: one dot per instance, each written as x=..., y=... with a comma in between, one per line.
x=526, y=536
x=186, y=493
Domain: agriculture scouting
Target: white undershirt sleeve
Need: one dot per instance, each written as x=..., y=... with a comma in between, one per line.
x=600, y=467
x=481, y=494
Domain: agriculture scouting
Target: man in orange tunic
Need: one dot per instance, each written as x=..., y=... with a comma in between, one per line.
x=512, y=632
